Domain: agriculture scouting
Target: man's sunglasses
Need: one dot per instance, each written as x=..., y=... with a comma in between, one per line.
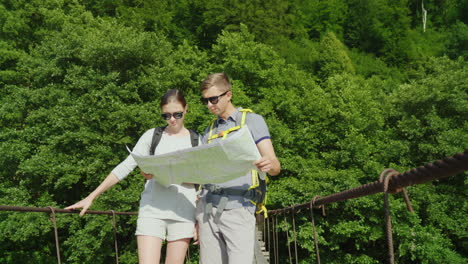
x=176, y=115
x=212, y=99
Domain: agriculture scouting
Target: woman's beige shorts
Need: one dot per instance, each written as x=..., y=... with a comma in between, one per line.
x=164, y=228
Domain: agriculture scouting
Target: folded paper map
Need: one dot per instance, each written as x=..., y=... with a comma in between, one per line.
x=218, y=162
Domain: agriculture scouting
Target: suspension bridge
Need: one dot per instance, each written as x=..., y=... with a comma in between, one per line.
x=267, y=248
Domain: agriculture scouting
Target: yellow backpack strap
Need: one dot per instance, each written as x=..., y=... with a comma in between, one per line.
x=261, y=208
x=255, y=181
x=244, y=114
x=264, y=210
x=224, y=133
x=210, y=137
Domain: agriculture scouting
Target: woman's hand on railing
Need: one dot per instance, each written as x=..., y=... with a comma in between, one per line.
x=85, y=204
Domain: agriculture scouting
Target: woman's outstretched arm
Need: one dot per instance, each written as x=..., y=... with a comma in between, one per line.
x=108, y=182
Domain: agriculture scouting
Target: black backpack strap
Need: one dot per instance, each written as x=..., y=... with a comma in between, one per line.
x=194, y=136
x=157, y=135
x=156, y=138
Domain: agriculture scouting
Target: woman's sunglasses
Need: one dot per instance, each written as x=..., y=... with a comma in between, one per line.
x=212, y=99
x=176, y=115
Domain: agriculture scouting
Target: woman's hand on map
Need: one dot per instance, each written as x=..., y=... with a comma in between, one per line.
x=147, y=176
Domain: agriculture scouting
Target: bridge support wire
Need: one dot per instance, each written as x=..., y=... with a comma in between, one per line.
x=385, y=176
x=268, y=236
x=273, y=238
x=114, y=225
x=295, y=234
x=390, y=181
x=313, y=227
x=276, y=242
x=53, y=211
x=54, y=221
x=287, y=238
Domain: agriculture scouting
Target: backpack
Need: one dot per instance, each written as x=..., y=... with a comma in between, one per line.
x=157, y=135
x=257, y=192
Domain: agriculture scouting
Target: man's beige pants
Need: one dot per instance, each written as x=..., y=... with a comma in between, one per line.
x=229, y=240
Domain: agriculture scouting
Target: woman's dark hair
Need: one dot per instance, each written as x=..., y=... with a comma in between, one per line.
x=173, y=95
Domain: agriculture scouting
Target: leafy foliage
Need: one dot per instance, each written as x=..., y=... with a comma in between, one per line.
x=348, y=88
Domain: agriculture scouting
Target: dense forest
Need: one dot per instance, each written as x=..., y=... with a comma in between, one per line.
x=348, y=88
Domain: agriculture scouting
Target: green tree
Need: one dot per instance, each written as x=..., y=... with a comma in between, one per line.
x=333, y=57
x=88, y=89
x=379, y=27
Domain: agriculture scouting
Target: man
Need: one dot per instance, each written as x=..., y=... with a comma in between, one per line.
x=226, y=217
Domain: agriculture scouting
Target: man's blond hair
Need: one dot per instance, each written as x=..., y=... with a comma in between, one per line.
x=220, y=80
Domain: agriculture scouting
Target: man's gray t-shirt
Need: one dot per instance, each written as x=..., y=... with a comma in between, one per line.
x=259, y=130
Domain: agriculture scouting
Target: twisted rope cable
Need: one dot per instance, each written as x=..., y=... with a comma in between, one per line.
x=313, y=228
x=385, y=177
x=295, y=234
x=57, y=210
x=409, y=207
x=273, y=236
x=54, y=221
x=268, y=237
x=439, y=169
x=53, y=211
x=287, y=240
x=276, y=242
x=114, y=224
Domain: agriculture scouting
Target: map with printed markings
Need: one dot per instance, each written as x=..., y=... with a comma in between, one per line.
x=217, y=162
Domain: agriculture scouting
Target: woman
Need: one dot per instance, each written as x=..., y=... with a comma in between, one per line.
x=165, y=212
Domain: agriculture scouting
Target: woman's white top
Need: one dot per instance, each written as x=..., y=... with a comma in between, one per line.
x=175, y=202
